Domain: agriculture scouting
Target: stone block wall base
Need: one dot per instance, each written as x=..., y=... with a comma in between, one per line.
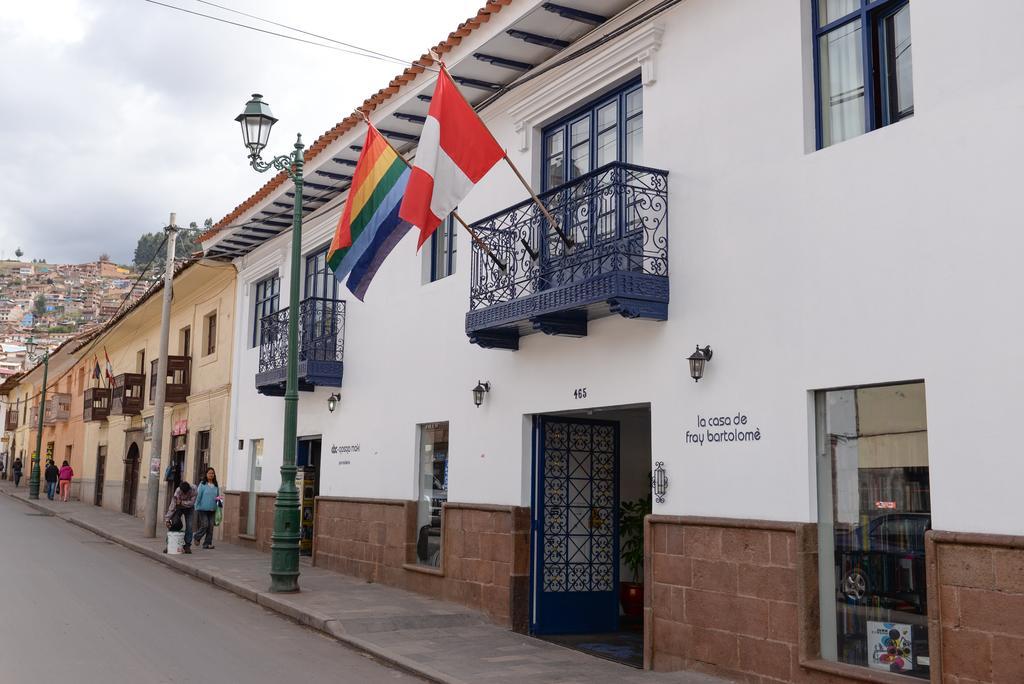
x=739, y=599
x=484, y=561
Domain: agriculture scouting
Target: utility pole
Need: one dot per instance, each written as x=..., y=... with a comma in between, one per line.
x=157, y=443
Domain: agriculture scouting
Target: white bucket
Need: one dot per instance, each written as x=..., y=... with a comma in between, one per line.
x=175, y=542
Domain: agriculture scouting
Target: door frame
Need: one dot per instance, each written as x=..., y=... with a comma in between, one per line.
x=536, y=518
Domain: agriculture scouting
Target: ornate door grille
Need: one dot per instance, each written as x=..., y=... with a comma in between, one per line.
x=576, y=526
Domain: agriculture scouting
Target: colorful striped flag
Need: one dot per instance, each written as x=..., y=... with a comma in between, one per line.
x=369, y=227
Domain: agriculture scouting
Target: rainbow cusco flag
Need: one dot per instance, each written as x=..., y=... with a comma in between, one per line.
x=369, y=227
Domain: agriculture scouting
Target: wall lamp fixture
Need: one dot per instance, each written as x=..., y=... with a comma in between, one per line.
x=479, y=391
x=697, y=360
x=332, y=402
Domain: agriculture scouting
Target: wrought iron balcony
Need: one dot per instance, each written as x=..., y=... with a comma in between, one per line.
x=96, y=404
x=616, y=218
x=321, y=347
x=179, y=379
x=126, y=396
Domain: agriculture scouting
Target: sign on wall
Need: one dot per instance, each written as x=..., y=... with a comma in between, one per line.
x=147, y=429
x=723, y=428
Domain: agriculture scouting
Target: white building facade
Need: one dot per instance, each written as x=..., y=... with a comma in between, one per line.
x=775, y=181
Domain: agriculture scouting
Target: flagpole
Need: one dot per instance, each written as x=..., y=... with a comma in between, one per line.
x=533, y=195
x=472, y=233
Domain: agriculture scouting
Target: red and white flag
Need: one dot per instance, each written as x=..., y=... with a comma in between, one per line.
x=455, y=151
x=109, y=368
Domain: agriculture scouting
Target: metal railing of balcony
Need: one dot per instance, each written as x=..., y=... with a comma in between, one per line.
x=616, y=217
x=321, y=333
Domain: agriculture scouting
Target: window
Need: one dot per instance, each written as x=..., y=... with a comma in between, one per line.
x=268, y=298
x=185, y=340
x=320, y=280
x=862, y=58
x=255, y=475
x=874, y=507
x=433, y=491
x=140, y=361
x=209, y=333
x=442, y=250
x=202, y=456
x=607, y=130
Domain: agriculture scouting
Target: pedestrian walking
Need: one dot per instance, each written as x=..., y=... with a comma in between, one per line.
x=16, y=469
x=206, y=508
x=52, y=473
x=180, y=511
x=64, y=476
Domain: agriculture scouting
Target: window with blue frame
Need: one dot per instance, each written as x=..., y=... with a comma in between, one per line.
x=320, y=280
x=608, y=129
x=267, y=301
x=442, y=250
x=318, y=324
x=862, y=65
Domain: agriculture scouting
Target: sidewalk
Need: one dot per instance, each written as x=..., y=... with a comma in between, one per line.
x=442, y=641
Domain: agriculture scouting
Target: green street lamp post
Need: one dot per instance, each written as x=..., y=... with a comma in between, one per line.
x=256, y=121
x=33, y=480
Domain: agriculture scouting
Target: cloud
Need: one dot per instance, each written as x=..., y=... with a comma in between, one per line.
x=116, y=114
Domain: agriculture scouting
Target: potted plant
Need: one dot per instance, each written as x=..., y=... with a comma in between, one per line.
x=631, y=534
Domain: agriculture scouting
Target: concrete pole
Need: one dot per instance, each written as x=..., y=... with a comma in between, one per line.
x=157, y=443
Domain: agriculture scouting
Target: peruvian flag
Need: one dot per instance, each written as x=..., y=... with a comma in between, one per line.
x=455, y=151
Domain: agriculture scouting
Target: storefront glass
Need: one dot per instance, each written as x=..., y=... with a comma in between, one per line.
x=433, y=491
x=874, y=508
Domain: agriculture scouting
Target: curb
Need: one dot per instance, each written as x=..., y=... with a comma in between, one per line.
x=274, y=602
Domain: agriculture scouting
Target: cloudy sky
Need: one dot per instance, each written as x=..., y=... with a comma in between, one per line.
x=116, y=112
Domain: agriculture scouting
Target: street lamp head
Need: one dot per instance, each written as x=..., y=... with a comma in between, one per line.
x=256, y=121
x=30, y=346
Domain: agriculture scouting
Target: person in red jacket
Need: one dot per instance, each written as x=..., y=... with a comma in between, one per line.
x=64, y=478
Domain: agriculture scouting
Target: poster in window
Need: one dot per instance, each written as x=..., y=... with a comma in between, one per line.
x=890, y=647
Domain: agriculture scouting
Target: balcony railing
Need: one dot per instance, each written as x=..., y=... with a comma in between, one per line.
x=11, y=420
x=96, y=404
x=126, y=396
x=179, y=379
x=616, y=218
x=321, y=347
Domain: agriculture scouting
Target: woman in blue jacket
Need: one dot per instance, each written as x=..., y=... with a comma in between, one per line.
x=206, y=507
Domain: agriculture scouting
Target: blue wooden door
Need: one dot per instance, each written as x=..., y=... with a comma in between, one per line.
x=575, y=549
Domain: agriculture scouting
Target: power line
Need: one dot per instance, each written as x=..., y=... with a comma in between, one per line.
x=363, y=52
x=307, y=33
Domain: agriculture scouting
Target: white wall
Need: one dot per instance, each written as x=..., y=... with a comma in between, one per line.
x=889, y=257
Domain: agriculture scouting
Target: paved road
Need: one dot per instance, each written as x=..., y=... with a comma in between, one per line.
x=75, y=608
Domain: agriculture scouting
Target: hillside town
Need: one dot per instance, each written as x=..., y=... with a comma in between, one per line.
x=607, y=341
x=52, y=303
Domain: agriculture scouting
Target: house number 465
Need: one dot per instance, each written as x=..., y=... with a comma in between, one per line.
x=579, y=393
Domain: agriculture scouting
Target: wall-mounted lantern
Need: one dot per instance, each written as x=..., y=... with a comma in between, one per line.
x=697, y=360
x=479, y=391
x=332, y=402
x=659, y=482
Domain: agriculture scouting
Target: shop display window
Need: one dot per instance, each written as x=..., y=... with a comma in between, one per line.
x=432, y=469
x=874, y=508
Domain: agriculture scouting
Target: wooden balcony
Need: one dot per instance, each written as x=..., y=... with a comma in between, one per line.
x=96, y=404
x=11, y=421
x=126, y=396
x=179, y=379
x=60, y=406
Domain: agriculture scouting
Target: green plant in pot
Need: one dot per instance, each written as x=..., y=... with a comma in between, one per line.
x=631, y=535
